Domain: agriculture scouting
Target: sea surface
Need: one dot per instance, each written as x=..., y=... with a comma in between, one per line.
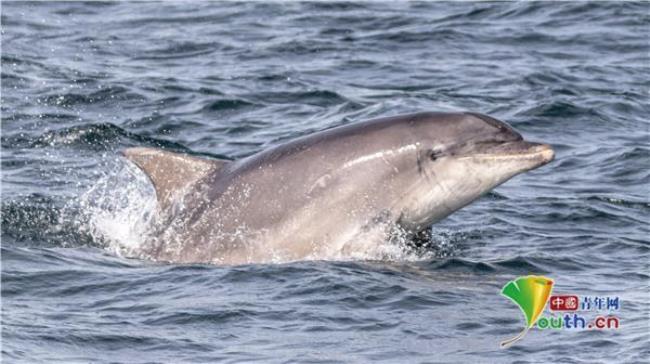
x=82, y=81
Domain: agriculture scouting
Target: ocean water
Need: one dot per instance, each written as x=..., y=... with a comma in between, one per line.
x=82, y=81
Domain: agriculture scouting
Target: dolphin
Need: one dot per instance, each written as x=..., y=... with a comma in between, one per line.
x=331, y=193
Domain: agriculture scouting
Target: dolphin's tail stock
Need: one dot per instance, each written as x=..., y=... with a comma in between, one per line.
x=171, y=172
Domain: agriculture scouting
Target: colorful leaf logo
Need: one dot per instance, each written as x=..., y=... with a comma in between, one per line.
x=530, y=293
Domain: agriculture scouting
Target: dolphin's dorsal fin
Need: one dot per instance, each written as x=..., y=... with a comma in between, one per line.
x=171, y=172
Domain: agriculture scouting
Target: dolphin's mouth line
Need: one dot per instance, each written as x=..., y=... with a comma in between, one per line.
x=517, y=151
x=514, y=156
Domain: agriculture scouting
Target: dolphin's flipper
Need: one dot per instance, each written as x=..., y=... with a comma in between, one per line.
x=171, y=172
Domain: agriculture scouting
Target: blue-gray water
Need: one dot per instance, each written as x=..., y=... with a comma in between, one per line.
x=81, y=81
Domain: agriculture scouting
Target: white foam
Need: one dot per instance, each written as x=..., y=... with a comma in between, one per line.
x=118, y=209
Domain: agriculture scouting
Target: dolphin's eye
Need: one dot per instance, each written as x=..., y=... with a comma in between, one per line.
x=433, y=154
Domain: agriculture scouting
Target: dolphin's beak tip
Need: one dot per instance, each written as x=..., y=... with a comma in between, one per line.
x=546, y=152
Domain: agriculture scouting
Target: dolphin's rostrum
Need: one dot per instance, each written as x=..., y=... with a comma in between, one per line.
x=332, y=192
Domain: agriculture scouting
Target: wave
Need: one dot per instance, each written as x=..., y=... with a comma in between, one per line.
x=228, y=105
x=110, y=94
x=101, y=136
x=313, y=97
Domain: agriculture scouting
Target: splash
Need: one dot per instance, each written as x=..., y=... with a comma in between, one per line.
x=118, y=210
x=395, y=245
